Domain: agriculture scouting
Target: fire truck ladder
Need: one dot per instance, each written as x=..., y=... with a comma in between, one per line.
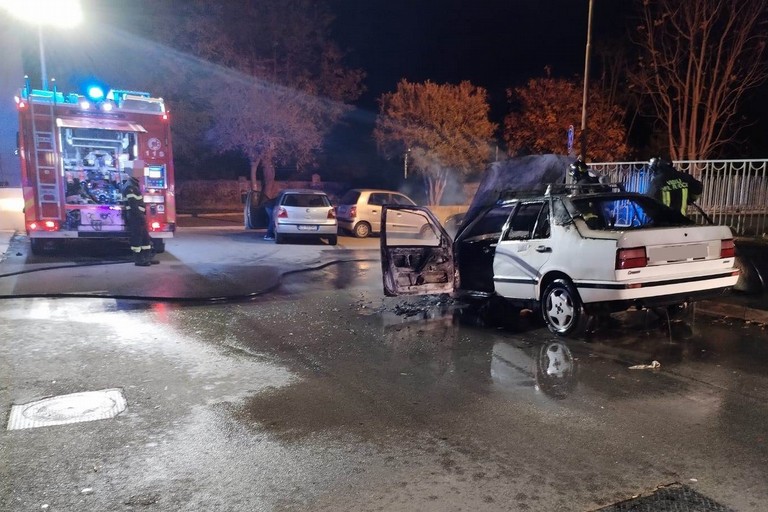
x=46, y=175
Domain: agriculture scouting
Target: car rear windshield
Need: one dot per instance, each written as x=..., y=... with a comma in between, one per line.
x=633, y=212
x=305, y=200
x=350, y=197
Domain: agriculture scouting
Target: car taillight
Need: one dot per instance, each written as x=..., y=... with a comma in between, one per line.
x=631, y=258
x=282, y=213
x=155, y=226
x=332, y=213
x=44, y=225
x=727, y=248
x=353, y=211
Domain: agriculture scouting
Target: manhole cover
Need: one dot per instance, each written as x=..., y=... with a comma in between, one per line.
x=64, y=409
x=671, y=498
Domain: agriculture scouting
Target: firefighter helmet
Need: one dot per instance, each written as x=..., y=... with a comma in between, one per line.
x=577, y=170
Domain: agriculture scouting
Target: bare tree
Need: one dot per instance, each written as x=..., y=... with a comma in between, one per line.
x=271, y=83
x=698, y=59
x=444, y=128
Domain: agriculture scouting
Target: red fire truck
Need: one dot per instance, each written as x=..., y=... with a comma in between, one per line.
x=76, y=153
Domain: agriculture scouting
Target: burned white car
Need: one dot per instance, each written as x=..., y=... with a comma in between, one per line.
x=569, y=253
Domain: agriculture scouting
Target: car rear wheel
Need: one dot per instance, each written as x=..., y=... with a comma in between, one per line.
x=38, y=246
x=42, y=246
x=248, y=213
x=362, y=229
x=332, y=240
x=158, y=245
x=247, y=222
x=279, y=238
x=562, y=309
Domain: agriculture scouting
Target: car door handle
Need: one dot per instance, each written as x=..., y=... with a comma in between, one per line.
x=543, y=248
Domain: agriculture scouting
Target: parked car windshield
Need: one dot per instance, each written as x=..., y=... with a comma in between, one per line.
x=306, y=200
x=627, y=212
x=400, y=199
x=350, y=197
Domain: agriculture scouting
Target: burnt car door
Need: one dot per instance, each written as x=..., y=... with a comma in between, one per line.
x=415, y=263
x=475, y=248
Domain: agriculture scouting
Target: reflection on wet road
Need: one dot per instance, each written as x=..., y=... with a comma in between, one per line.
x=327, y=396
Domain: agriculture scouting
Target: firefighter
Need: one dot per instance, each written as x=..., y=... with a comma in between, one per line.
x=673, y=188
x=584, y=179
x=136, y=220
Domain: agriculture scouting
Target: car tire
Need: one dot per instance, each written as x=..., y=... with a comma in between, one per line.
x=333, y=240
x=247, y=221
x=562, y=309
x=37, y=246
x=279, y=238
x=45, y=246
x=158, y=245
x=248, y=212
x=362, y=230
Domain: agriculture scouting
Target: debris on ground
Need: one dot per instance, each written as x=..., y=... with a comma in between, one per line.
x=422, y=305
x=655, y=365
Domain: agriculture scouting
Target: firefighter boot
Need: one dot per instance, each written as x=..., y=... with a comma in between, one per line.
x=141, y=259
x=152, y=259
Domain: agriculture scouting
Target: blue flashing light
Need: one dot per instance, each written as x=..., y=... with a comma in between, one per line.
x=95, y=92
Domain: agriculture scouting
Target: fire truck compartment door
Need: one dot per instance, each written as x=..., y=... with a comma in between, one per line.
x=103, y=124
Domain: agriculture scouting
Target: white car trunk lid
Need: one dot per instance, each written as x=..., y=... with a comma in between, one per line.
x=677, y=245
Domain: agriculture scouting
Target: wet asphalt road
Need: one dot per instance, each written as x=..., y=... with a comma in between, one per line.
x=321, y=394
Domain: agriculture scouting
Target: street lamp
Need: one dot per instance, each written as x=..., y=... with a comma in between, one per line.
x=405, y=163
x=57, y=13
x=586, y=86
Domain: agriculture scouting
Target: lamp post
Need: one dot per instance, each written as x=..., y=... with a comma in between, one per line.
x=405, y=163
x=586, y=86
x=57, y=13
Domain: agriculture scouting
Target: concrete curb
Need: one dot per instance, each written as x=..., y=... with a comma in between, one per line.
x=721, y=309
x=5, y=241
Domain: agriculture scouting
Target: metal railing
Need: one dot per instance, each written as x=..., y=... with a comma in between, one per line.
x=735, y=191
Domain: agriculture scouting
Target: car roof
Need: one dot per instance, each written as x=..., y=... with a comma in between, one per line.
x=567, y=190
x=378, y=190
x=302, y=191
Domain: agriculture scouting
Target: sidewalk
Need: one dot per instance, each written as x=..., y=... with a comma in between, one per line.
x=750, y=308
x=5, y=239
x=740, y=306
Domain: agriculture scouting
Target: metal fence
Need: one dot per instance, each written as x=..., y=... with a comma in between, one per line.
x=735, y=191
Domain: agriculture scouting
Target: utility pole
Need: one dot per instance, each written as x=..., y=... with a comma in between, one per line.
x=586, y=86
x=405, y=163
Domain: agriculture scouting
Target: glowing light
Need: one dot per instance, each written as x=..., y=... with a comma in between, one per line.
x=106, y=107
x=95, y=92
x=60, y=13
x=85, y=105
x=155, y=226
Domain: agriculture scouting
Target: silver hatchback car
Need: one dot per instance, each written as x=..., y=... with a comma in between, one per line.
x=359, y=211
x=304, y=213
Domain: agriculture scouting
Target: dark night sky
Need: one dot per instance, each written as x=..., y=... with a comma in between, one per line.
x=492, y=43
x=496, y=44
